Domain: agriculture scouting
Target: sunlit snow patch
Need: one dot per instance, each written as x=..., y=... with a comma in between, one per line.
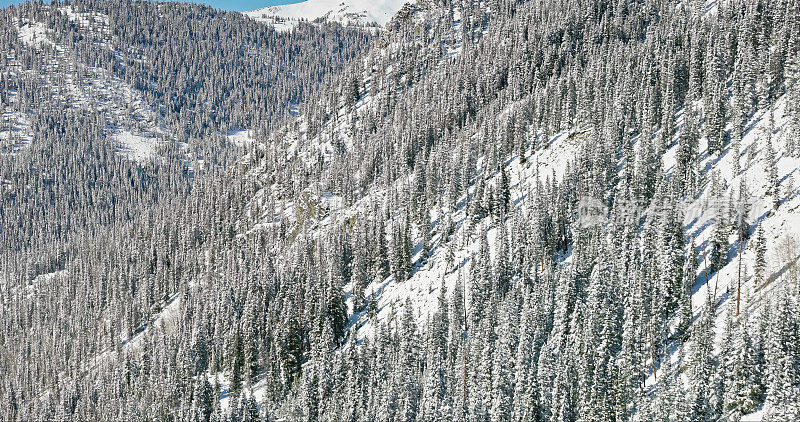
x=33, y=34
x=135, y=147
x=347, y=12
x=241, y=138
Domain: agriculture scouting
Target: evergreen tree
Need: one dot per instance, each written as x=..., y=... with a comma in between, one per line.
x=718, y=257
x=203, y=404
x=760, y=245
x=703, y=365
x=782, y=400
x=770, y=163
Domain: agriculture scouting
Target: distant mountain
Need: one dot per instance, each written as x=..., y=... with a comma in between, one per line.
x=365, y=12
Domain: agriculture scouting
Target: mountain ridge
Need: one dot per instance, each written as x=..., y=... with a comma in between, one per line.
x=347, y=12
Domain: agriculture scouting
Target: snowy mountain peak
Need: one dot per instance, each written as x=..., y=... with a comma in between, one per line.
x=348, y=12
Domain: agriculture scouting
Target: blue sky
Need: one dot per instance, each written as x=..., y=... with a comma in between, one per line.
x=238, y=5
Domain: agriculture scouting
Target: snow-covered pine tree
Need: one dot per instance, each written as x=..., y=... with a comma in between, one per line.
x=782, y=398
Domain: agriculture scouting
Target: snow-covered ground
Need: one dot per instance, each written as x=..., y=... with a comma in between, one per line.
x=136, y=147
x=346, y=12
x=241, y=138
x=781, y=226
x=14, y=131
x=136, y=126
x=85, y=20
x=422, y=289
x=34, y=34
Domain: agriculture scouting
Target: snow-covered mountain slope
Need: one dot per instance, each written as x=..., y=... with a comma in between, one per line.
x=346, y=12
x=103, y=72
x=781, y=225
x=757, y=264
x=503, y=211
x=81, y=86
x=449, y=260
x=134, y=124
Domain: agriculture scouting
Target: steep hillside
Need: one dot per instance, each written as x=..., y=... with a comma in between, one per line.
x=115, y=124
x=556, y=198
x=501, y=210
x=85, y=84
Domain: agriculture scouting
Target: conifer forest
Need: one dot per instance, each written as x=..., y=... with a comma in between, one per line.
x=472, y=210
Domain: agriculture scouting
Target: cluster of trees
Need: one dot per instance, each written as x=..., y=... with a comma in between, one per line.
x=225, y=72
x=90, y=241
x=529, y=359
x=205, y=70
x=428, y=120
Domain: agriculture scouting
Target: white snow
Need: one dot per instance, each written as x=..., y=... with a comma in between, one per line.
x=34, y=34
x=14, y=131
x=165, y=320
x=85, y=20
x=422, y=289
x=241, y=138
x=136, y=147
x=781, y=227
x=783, y=223
x=753, y=417
x=346, y=12
x=82, y=87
